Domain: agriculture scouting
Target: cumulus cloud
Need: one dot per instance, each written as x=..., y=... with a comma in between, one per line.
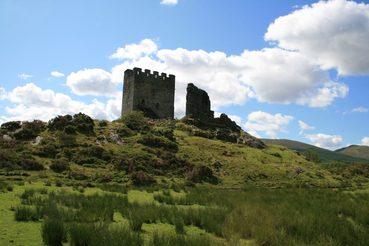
x=169, y=2
x=95, y=82
x=270, y=75
x=365, y=141
x=3, y=93
x=134, y=51
x=325, y=141
x=260, y=122
x=24, y=76
x=304, y=127
x=56, y=74
x=360, y=110
x=32, y=102
x=334, y=34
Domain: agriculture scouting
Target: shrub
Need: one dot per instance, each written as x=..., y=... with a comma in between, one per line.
x=124, y=131
x=59, y=165
x=179, y=225
x=141, y=178
x=54, y=232
x=30, y=130
x=11, y=126
x=158, y=141
x=103, y=123
x=135, y=120
x=80, y=122
x=30, y=164
x=67, y=140
x=202, y=174
x=70, y=129
x=48, y=150
x=26, y=213
x=136, y=220
x=8, y=159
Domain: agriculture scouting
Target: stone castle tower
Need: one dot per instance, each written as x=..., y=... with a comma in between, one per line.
x=149, y=92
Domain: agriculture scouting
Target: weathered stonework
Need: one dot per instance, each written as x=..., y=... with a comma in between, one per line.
x=149, y=92
x=198, y=104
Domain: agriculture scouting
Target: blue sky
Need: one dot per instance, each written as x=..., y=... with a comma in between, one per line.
x=281, y=69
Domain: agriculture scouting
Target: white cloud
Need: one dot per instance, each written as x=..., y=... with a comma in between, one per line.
x=32, y=102
x=169, y=2
x=360, y=110
x=3, y=94
x=271, y=75
x=304, y=127
x=334, y=34
x=325, y=141
x=264, y=123
x=24, y=76
x=365, y=141
x=56, y=74
x=95, y=82
x=135, y=51
x=280, y=76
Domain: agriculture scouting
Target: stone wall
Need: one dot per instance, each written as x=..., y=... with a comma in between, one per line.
x=152, y=93
x=198, y=104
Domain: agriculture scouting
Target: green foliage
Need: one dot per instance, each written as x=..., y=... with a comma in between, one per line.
x=142, y=178
x=124, y=131
x=26, y=213
x=78, y=122
x=179, y=225
x=202, y=174
x=10, y=126
x=312, y=155
x=67, y=140
x=4, y=186
x=59, y=165
x=136, y=121
x=30, y=164
x=30, y=130
x=160, y=239
x=54, y=232
x=158, y=141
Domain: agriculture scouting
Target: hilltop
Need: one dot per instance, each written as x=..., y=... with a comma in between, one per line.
x=319, y=154
x=357, y=151
x=140, y=151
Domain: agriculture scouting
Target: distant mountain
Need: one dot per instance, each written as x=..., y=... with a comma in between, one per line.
x=323, y=154
x=358, y=151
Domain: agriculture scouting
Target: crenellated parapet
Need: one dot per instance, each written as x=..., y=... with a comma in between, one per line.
x=150, y=92
x=154, y=75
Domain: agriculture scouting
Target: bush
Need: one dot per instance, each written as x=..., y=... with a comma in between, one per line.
x=80, y=122
x=30, y=130
x=67, y=140
x=11, y=126
x=124, y=131
x=59, y=165
x=26, y=213
x=179, y=225
x=141, y=178
x=136, y=121
x=30, y=164
x=54, y=232
x=8, y=159
x=103, y=123
x=158, y=141
x=202, y=174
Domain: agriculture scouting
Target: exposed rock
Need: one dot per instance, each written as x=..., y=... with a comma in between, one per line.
x=251, y=141
x=38, y=140
x=101, y=140
x=115, y=138
x=7, y=138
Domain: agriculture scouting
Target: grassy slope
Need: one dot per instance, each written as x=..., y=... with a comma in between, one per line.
x=355, y=151
x=324, y=154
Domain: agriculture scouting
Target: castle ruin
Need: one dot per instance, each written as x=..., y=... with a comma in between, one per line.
x=148, y=92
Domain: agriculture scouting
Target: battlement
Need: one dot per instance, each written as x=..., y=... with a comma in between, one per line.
x=150, y=92
x=137, y=72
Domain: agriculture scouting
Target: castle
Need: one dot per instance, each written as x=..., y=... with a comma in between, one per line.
x=149, y=92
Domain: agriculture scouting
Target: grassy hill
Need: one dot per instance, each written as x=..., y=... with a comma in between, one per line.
x=323, y=155
x=355, y=151
x=76, y=181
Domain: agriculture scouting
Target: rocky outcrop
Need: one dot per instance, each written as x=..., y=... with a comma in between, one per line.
x=199, y=113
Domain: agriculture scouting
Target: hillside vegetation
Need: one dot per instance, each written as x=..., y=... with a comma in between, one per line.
x=135, y=181
x=355, y=151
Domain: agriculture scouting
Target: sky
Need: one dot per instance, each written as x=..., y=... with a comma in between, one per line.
x=281, y=69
